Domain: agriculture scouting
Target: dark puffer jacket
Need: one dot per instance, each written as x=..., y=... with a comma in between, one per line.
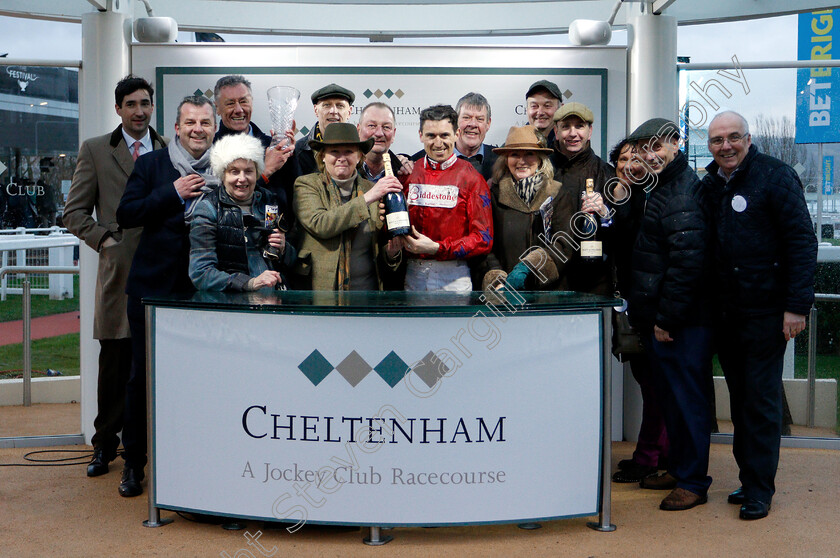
x=765, y=254
x=572, y=172
x=670, y=277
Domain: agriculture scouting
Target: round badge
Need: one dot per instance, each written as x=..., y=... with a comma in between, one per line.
x=739, y=203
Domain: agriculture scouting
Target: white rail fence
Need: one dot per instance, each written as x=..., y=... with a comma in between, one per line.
x=51, y=247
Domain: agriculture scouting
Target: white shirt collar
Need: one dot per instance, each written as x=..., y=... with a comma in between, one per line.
x=145, y=142
x=443, y=165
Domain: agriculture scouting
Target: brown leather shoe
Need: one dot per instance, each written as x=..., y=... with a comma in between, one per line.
x=681, y=499
x=659, y=482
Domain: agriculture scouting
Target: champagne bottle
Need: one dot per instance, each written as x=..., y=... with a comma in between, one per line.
x=396, y=211
x=591, y=250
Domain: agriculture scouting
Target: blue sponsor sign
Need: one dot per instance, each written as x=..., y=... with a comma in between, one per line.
x=817, y=89
x=828, y=175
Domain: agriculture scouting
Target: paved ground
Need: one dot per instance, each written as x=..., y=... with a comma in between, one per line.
x=57, y=511
x=46, y=326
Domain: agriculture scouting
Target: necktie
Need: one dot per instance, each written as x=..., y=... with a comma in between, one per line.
x=135, y=152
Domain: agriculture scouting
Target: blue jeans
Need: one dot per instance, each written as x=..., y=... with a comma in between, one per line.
x=682, y=368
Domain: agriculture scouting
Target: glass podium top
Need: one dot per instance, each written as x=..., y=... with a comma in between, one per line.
x=389, y=302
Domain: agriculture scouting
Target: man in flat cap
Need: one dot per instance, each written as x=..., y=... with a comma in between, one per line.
x=332, y=103
x=542, y=100
x=670, y=303
x=574, y=162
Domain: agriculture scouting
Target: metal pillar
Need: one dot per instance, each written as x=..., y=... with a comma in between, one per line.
x=27, y=343
x=812, y=367
x=105, y=60
x=605, y=500
x=652, y=66
x=154, y=513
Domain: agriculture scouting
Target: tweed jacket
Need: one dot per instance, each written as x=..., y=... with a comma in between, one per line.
x=323, y=218
x=102, y=169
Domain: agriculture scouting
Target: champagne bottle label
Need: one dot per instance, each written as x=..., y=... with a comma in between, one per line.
x=591, y=249
x=397, y=220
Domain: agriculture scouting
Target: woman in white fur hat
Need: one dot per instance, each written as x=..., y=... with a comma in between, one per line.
x=232, y=226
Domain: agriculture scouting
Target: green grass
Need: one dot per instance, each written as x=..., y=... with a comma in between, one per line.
x=59, y=353
x=10, y=309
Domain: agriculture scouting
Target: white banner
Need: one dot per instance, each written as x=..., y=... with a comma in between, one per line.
x=256, y=417
x=407, y=78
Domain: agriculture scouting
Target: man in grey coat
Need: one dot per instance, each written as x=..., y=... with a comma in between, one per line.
x=102, y=169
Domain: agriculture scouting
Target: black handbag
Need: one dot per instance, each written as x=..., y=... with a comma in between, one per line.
x=626, y=339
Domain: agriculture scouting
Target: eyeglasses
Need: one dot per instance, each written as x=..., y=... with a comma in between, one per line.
x=733, y=139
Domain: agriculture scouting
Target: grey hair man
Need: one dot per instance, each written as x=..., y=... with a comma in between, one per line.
x=765, y=258
x=473, y=111
x=234, y=104
x=160, y=194
x=377, y=121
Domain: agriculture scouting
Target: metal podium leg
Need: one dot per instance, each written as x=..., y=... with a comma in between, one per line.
x=154, y=513
x=375, y=539
x=603, y=523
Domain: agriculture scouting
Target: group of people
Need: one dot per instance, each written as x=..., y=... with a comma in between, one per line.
x=221, y=208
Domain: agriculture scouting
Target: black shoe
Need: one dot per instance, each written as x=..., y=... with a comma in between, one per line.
x=634, y=473
x=737, y=497
x=626, y=464
x=130, y=484
x=99, y=464
x=754, y=509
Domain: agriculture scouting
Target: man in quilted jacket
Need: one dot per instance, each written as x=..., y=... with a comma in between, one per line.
x=765, y=258
x=669, y=303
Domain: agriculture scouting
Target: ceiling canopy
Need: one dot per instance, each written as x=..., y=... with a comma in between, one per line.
x=386, y=19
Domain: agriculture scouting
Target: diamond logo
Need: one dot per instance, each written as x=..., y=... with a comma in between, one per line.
x=198, y=92
x=430, y=369
x=389, y=93
x=353, y=368
x=399, y=93
x=304, y=130
x=567, y=94
x=315, y=367
x=378, y=93
x=391, y=369
x=367, y=93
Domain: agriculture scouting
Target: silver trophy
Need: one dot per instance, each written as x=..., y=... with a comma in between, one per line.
x=282, y=102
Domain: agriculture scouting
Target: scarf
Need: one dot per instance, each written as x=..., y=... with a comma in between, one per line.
x=527, y=187
x=346, y=247
x=186, y=164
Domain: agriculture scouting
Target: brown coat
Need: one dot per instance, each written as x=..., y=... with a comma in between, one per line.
x=102, y=169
